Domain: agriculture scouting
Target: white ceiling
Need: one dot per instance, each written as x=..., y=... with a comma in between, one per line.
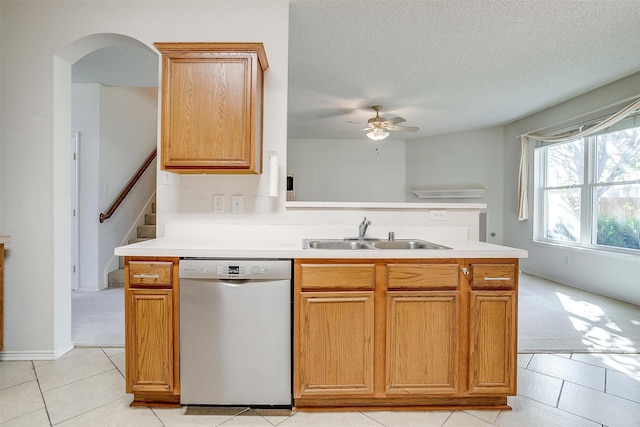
x=444, y=65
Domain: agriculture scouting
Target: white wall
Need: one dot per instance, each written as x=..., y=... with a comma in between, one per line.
x=85, y=118
x=46, y=38
x=117, y=128
x=347, y=170
x=608, y=274
x=462, y=159
x=128, y=129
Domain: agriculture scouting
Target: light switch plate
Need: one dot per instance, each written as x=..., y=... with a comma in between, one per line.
x=258, y=206
x=237, y=204
x=166, y=178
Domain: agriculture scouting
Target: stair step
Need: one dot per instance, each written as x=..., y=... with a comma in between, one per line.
x=120, y=262
x=137, y=239
x=115, y=279
x=148, y=231
x=153, y=207
x=150, y=219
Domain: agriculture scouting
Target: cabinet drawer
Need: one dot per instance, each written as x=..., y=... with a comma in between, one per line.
x=156, y=273
x=488, y=276
x=338, y=276
x=422, y=276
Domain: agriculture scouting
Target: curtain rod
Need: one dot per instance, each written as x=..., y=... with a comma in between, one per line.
x=627, y=100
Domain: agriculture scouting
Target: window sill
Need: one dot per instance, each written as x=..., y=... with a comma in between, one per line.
x=586, y=250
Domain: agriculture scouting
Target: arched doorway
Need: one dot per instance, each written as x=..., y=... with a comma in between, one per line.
x=106, y=91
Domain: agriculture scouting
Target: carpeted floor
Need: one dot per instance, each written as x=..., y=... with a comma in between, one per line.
x=557, y=318
x=551, y=318
x=97, y=318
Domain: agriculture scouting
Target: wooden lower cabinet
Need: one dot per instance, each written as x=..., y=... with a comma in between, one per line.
x=492, y=358
x=151, y=338
x=335, y=344
x=422, y=348
x=419, y=333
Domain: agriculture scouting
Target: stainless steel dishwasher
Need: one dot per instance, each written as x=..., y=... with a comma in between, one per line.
x=235, y=332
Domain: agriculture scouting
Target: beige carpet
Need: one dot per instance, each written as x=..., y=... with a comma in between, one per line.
x=558, y=318
x=97, y=318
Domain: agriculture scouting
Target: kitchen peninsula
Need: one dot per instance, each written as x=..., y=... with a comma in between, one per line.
x=372, y=328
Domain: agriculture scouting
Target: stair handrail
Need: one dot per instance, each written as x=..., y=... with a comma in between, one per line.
x=132, y=182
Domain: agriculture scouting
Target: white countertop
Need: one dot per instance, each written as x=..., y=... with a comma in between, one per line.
x=201, y=247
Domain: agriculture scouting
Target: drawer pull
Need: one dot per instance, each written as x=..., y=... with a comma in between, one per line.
x=497, y=278
x=146, y=276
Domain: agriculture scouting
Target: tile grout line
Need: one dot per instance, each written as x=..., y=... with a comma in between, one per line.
x=44, y=402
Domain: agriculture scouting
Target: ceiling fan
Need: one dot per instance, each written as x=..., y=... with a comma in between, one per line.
x=378, y=127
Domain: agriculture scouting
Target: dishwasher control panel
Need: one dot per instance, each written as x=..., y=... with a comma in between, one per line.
x=234, y=269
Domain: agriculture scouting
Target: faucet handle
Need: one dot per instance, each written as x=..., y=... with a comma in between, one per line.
x=392, y=236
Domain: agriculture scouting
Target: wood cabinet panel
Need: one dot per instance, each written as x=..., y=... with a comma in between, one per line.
x=335, y=344
x=422, y=276
x=142, y=273
x=422, y=342
x=493, y=344
x=152, y=317
x=149, y=341
x=436, y=341
x=493, y=276
x=212, y=98
x=338, y=276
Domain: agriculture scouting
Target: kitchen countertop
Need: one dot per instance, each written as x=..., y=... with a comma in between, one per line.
x=201, y=247
x=5, y=239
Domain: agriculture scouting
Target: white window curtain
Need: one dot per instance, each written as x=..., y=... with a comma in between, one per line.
x=523, y=175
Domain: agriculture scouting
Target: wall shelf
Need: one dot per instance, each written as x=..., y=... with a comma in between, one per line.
x=471, y=192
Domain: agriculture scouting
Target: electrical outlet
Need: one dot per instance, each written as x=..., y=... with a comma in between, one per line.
x=237, y=203
x=438, y=214
x=218, y=203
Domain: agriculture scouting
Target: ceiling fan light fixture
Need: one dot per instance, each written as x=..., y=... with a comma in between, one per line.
x=378, y=134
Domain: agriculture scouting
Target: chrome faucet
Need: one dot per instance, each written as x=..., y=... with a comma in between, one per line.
x=362, y=228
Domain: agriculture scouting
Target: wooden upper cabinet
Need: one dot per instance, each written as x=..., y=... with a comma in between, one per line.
x=212, y=99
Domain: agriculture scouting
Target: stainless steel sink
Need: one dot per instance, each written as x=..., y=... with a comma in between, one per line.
x=336, y=244
x=347, y=244
x=404, y=244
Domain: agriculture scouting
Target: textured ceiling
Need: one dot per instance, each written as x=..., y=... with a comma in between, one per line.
x=445, y=66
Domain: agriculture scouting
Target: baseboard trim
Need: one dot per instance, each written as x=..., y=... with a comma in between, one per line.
x=36, y=355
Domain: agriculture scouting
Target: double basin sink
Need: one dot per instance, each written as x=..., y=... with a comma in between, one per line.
x=348, y=244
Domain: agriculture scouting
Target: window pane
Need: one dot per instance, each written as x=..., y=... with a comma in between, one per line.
x=562, y=214
x=618, y=216
x=565, y=164
x=618, y=156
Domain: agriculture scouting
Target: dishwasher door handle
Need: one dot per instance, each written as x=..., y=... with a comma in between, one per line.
x=233, y=283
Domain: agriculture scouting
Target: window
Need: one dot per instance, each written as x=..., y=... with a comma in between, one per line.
x=588, y=191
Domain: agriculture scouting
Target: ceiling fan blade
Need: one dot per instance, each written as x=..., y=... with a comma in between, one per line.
x=403, y=128
x=357, y=123
x=356, y=130
x=394, y=121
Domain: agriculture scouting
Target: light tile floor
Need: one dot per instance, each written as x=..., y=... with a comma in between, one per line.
x=85, y=387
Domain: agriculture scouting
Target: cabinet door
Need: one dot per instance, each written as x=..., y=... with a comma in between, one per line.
x=212, y=107
x=422, y=342
x=149, y=340
x=493, y=346
x=335, y=344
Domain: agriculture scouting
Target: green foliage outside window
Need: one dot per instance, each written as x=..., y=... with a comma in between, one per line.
x=612, y=232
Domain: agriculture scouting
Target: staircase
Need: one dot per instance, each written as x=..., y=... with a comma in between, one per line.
x=143, y=232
